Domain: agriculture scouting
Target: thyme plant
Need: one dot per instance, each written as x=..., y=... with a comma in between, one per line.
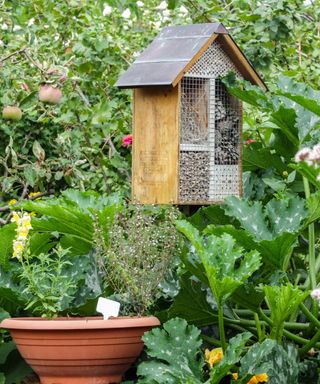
x=142, y=245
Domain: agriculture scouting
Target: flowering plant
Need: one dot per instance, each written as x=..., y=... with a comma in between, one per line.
x=310, y=156
x=50, y=282
x=23, y=222
x=127, y=140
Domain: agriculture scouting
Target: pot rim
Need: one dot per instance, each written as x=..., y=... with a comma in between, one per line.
x=78, y=323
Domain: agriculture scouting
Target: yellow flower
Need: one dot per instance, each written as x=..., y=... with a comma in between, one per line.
x=12, y=202
x=15, y=217
x=32, y=214
x=262, y=378
x=18, y=247
x=33, y=194
x=23, y=221
x=26, y=225
x=23, y=233
x=214, y=356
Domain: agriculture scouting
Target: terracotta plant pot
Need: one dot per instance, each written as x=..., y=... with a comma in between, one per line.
x=79, y=350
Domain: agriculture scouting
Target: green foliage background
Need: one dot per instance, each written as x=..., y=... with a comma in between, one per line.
x=82, y=46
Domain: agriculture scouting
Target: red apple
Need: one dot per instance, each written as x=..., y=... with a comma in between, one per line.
x=12, y=113
x=49, y=94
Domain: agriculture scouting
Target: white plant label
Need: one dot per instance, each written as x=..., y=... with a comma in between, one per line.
x=108, y=308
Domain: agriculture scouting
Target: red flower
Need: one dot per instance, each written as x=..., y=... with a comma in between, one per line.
x=247, y=142
x=127, y=140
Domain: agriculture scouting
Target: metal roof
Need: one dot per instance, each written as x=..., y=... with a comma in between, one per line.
x=163, y=62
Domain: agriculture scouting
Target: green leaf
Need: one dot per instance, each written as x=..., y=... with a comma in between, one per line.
x=5, y=350
x=231, y=357
x=7, y=235
x=191, y=303
x=245, y=92
x=176, y=353
x=194, y=265
x=28, y=99
x=40, y=243
x=15, y=368
x=293, y=212
x=38, y=151
x=308, y=171
x=285, y=119
x=227, y=266
x=255, y=361
x=282, y=301
x=277, y=252
x=214, y=214
x=172, y=4
x=280, y=363
x=300, y=93
x=248, y=296
x=313, y=204
x=275, y=184
x=250, y=216
x=242, y=237
x=264, y=223
x=261, y=158
x=30, y=175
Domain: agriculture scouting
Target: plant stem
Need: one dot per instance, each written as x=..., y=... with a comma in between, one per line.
x=311, y=344
x=312, y=256
x=250, y=323
x=296, y=338
x=221, y=328
x=211, y=340
x=258, y=326
x=309, y=315
x=289, y=335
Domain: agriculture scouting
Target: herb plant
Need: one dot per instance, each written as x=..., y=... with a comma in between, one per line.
x=49, y=289
x=143, y=243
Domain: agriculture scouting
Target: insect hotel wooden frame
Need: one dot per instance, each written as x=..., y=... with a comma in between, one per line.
x=186, y=127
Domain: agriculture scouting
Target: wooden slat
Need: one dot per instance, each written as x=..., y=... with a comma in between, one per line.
x=155, y=145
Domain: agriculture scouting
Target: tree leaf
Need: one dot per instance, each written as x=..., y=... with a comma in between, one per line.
x=300, y=93
x=38, y=151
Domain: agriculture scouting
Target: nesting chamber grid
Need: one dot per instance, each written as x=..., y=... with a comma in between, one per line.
x=210, y=131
